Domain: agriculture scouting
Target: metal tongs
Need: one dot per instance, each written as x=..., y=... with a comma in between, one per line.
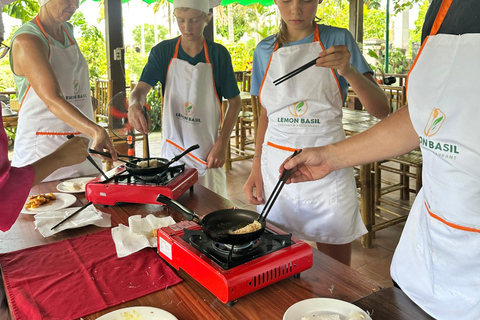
x=295, y=72
x=276, y=191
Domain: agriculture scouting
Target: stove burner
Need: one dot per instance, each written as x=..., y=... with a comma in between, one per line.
x=226, y=248
x=160, y=179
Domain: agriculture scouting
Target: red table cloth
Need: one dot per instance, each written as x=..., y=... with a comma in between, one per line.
x=76, y=277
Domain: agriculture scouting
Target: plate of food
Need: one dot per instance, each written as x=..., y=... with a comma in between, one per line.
x=75, y=185
x=138, y=313
x=325, y=309
x=48, y=202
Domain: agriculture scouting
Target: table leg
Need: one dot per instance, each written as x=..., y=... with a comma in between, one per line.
x=366, y=208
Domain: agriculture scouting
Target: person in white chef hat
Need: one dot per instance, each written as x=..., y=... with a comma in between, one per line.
x=195, y=74
x=437, y=260
x=52, y=78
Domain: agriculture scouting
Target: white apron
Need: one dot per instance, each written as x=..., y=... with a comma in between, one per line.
x=192, y=115
x=306, y=111
x=39, y=131
x=437, y=261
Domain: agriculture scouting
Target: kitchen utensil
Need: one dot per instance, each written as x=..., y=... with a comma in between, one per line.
x=71, y=215
x=295, y=72
x=108, y=155
x=276, y=191
x=147, y=144
x=155, y=170
x=89, y=158
x=218, y=224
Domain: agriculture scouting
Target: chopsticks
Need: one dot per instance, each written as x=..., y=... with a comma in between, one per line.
x=77, y=211
x=276, y=191
x=146, y=137
x=89, y=158
x=295, y=72
x=108, y=155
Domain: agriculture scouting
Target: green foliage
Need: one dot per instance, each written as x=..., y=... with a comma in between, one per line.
x=149, y=35
x=24, y=10
x=154, y=100
x=134, y=63
x=241, y=53
x=92, y=46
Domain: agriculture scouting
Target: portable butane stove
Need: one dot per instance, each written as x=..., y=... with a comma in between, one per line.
x=230, y=272
x=125, y=187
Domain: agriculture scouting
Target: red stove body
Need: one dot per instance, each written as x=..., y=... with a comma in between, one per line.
x=123, y=187
x=178, y=244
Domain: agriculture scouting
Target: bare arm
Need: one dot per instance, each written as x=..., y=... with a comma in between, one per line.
x=30, y=59
x=216, y=156
x=370, y=94
x=137, y=99
x=255, y=180
x=390, y=137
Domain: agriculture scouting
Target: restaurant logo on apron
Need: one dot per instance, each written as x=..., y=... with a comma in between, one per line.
x=298, y=110
x=188, y=112
x=434, y=123
x=76, y=86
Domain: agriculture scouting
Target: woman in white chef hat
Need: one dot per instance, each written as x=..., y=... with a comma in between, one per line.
x=51, y=75
x=195, y=73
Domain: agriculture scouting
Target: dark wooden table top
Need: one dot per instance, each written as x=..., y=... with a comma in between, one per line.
x=189, y=300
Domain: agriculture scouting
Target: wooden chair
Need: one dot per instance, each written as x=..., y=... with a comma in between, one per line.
x=396, y=96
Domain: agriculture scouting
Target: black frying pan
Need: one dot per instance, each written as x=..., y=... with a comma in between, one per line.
x=217, y=225
x=164, y=164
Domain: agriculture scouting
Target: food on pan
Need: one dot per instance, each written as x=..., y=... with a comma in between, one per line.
x=36, y=201
x=152, y=163
x=252, y=227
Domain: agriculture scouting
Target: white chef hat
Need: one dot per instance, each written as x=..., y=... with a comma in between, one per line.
x=42, y=2
x=202, y=5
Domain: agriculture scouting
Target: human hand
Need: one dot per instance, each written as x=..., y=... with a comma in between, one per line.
x=216, y=156
x=336, y=57
x=71, y=152
x=254, y=181
x=137, y=119
x=311, y=164
x=101, y=141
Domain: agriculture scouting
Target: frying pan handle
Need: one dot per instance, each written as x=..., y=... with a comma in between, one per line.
x=187, y=213
x=194, y=147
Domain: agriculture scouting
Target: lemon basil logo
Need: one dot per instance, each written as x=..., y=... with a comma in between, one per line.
x=189, y=109
x=76, y=86
x=298, y=109
x=434, y=123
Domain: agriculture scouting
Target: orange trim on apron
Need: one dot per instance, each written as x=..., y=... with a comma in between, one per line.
x=48, y=39
x=188, y=154
x=46, y=133
x=334, y=74
x=24, y=96
x=281, y=147
x=207, y=60
x=455, y=226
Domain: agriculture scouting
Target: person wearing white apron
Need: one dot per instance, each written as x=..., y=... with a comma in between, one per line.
x=40, y=131
x=191, y=109
x=306, y=111
x=436, y=262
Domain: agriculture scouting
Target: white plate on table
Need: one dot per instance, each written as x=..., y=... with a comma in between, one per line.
x=63, y=200
x=316, y=307
x=67, y=185
x=138, y=313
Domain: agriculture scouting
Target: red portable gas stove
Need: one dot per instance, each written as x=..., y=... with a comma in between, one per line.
x=125, y=187
x=230, y=272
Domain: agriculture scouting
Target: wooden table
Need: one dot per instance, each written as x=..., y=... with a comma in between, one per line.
x=356, y=121
x=189, y=300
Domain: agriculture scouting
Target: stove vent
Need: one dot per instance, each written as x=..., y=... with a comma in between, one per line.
x=271, y=275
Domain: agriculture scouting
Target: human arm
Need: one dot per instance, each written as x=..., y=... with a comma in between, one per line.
x=137, y=99
x=370, y=94
x=255, y=179
x=390, y=137
x=216, y=156
x=30, y=59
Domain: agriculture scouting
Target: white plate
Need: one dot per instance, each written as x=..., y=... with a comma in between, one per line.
x=138, y=313
x=320, y=306
x=65, y=186
x=63, y=200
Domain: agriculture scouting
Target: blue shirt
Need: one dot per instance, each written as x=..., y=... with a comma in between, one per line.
x=156, y=68
x=329, y=36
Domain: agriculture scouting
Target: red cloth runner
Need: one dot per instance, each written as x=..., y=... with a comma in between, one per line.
x=77, y=277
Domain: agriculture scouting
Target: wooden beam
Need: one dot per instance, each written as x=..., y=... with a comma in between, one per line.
x=355, y=24
x=114, y=40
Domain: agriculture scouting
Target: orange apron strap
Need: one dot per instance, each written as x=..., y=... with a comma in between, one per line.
x=442, y=12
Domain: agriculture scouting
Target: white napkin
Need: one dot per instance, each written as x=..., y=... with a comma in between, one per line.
x=139, y=234
x=90, y=215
